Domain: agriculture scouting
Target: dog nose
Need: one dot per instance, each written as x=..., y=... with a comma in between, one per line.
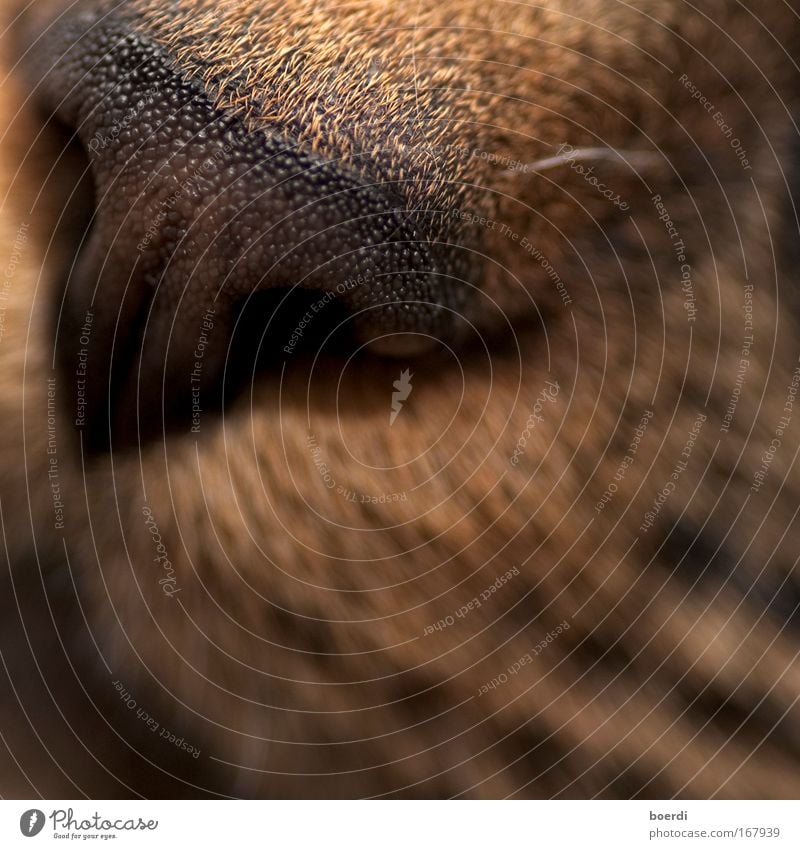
x=196, y=218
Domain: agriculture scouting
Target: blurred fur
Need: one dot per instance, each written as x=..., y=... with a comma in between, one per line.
x=296, y=648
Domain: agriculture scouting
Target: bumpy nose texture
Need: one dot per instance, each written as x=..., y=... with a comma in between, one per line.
x=194, y=216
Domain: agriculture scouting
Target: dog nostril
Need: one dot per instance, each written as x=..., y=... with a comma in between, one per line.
x=195, y=215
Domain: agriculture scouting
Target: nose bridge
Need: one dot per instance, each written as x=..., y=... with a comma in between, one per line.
x=205, y=209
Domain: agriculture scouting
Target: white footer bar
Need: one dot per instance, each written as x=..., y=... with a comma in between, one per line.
x=402, y=824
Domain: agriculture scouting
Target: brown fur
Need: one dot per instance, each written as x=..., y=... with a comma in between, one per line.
x=296, y=656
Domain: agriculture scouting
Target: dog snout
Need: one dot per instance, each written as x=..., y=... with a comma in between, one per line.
x=196, y=217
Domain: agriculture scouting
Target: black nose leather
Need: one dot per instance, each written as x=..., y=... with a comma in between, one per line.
x=195, y=218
